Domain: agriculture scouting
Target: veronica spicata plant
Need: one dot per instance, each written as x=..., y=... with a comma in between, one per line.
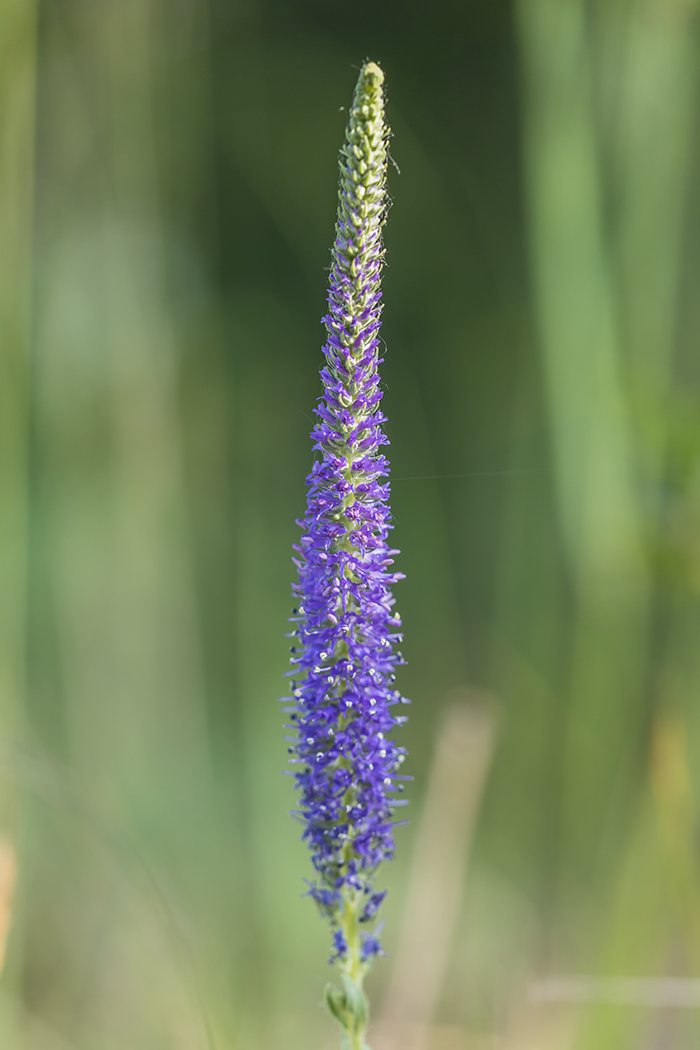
x=346, y=631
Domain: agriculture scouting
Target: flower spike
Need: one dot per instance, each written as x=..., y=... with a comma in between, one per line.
x=345, y=628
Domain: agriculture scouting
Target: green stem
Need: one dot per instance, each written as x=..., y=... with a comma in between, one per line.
x=350, y=1006
x=353, y=965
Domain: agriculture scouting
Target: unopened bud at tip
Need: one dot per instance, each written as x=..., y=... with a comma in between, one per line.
x=372, y=69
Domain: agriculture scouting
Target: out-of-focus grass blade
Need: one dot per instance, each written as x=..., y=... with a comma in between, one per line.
x=649, y=137
x=609, y=97
x=463, y=753
x=590, y=428
x=17, y=90
x=17, y=104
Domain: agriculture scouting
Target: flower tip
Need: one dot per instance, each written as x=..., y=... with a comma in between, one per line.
x=371, y=69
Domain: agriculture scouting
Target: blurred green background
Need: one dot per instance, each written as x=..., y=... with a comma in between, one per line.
x=167, y=199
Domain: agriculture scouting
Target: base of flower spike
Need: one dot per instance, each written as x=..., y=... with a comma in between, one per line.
x=350, y=1008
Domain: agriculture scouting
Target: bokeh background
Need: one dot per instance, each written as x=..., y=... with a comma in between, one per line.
x=167, y=198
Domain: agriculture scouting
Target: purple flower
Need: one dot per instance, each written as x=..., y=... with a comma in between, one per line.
x=372, y=906
x=327, y=900
x=371, y=947
x=339, y=944
x=346, y=630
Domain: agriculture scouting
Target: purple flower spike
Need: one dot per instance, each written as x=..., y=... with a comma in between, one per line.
x=346, y=630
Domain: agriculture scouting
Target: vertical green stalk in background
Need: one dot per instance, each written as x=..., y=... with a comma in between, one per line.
x=17, y=78
x=117, y=675
x=114, y=525
x=648, y=146
x=590, y=426
x=650, y=70
x=609, y=99
x=17, y=107
x=651, y=175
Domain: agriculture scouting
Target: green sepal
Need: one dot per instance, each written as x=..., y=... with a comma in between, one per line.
x=337, y=1004
x=350, y=1008
x=357, y=1003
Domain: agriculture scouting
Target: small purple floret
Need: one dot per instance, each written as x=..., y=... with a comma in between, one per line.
x=371, y=947
x=340, y=944
x=372, y=906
